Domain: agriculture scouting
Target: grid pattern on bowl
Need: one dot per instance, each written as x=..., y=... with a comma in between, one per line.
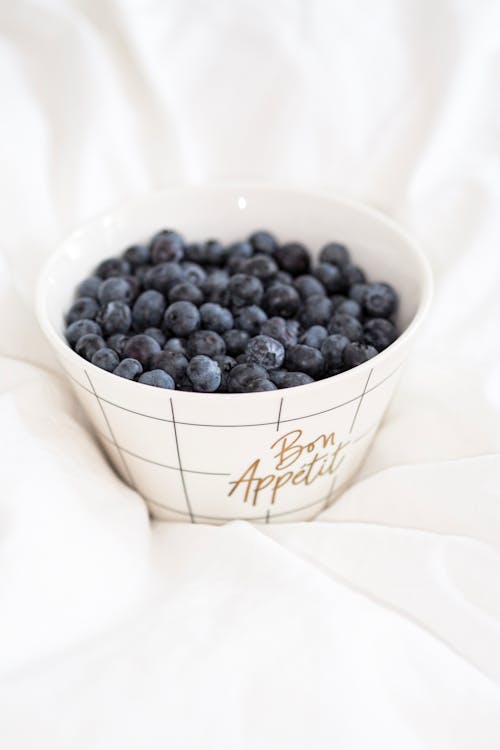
x=126, y=457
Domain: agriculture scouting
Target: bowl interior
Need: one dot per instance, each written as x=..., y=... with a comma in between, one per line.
x=230, y=213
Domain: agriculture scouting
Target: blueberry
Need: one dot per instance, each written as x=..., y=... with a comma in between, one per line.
x=336, y=300
x=128, y=368
x=175, y=363
x=282, y=276
x=357, y=293
x=353, y=275
x=112, y=267
x=142, y=348
x=193, y=273
x=350, y=307
x=245, y=371
x=216, y=287
x=293, y=379
x=281, y=300
x=117, y=342
x=276, y=328
x=277, y=376
x=158, y=378
x=308, y=285
x=293, y=258
x=262, y=266
x=166, y=246
x=316, y=311
x=137, y=255
x=186, y=291
x=246, y=378
x=380, y=300
x=263, y=242
x=89, y=287
x=261, y=384
x=355, y=354
x=335, y=253
x=346, y=325
x=80, y=328
x=157, y=334
x=236, y=341
x=148, y=310
x=285, y=331
x=182, y=318
x=163, y=277
x=185, y=384
x=84, y=307
x=140, y=273
x=245, y=290
x=292, y=333
x=205, y=342
x=211, y=252
x=225, y=362
x=241, y=359
x=214, y=252
x=194, y=252
x=301, y=358
x=314, y=336
x=240, y=250
x=115, y=317
x=236, y=264
x=115, y=288
x=214, y=317
x=379, y=333
x=250, y=319
x=87, y=345
x=266, y=352
x=330, y=276
x=204, y=373
x=135, y=285
x=175, y=345
x=106, y=359
x=332, y=350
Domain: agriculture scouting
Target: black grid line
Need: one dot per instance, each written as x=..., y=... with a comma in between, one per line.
x=183, y=478
x=255, y=424
x=365, y=433
x=113, y=439
x=202, y=517
x=164, y=466
x=279, y=415
x=360, y=402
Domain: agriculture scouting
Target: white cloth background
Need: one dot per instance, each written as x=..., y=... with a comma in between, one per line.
x=378, y=625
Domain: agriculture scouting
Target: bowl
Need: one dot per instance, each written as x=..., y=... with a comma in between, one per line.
x=209, y=458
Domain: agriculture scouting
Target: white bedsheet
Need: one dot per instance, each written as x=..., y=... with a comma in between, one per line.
x=376, y=626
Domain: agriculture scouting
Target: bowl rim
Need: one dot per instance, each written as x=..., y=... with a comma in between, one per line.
x=42, y=285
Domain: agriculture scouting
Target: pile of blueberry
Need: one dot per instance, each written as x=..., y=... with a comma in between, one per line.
x=252, y=316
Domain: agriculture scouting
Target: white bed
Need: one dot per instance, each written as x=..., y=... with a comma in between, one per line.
x=376, y=626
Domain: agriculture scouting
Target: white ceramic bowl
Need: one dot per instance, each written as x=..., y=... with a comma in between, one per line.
x=274, y=456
